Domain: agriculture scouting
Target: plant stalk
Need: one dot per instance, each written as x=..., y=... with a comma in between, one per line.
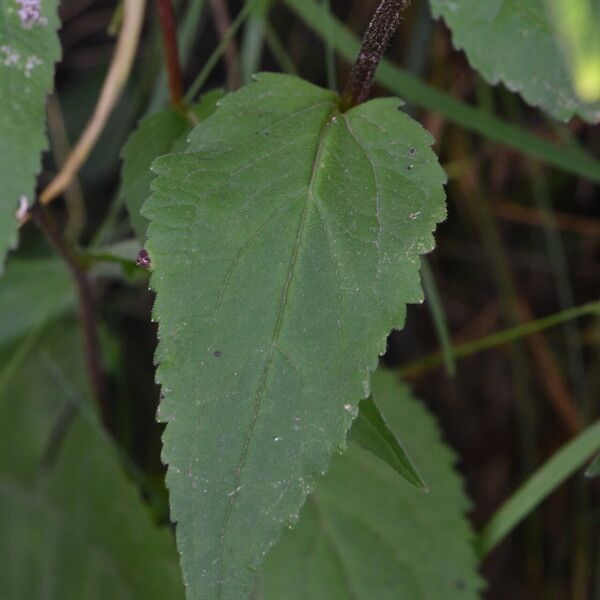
x=118, y=73
x=87, y=306
x=382, y=27
x=168, y=29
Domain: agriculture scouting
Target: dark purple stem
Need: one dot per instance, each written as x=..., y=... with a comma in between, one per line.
x=87, y=311
x=379, y=33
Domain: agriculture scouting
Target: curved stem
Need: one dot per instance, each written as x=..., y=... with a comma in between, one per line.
x=382, y=27
x=118, y=73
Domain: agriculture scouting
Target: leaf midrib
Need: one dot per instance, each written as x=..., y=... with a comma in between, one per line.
x=310, y=200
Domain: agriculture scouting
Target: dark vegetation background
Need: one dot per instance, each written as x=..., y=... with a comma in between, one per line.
x=522, y=240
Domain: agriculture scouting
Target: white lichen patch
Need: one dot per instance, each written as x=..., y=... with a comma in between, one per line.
x=9, y=57
x=30, y=64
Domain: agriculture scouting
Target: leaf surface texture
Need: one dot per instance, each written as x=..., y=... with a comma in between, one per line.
x=29, y=48
x=285, y=245
x=367, y=533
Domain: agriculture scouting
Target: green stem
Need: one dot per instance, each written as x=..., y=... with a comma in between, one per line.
x=330, y=54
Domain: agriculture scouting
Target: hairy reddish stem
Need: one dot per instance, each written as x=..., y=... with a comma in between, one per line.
x=168, y=29
x=382, y=27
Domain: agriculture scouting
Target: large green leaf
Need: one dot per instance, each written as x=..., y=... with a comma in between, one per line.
x=157, y=134
x=518, y=43
x=72, y=526
x=365, y=533
x=28, y=50
x=285, y=245
x=32, y=292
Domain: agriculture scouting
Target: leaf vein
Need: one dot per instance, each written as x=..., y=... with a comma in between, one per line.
x=274, y=340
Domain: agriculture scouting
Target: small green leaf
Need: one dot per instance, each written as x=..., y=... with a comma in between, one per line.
x=32, y=292
x=365, y=533
x=160, y=133
x=73, y=526
x=518, y=43
x=28, y=50
x=287, y=232
x=593, y=469
x=117, y=259
x=371, y=432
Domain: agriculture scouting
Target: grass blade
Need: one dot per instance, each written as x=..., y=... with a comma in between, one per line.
x=213, y=59
x=253, y=41
x=540, y=485
x=438, y=315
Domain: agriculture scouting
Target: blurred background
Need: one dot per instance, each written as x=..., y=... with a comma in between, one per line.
x=522, y=241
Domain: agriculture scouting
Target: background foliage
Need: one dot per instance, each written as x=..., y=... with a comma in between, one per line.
x=522, y=241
